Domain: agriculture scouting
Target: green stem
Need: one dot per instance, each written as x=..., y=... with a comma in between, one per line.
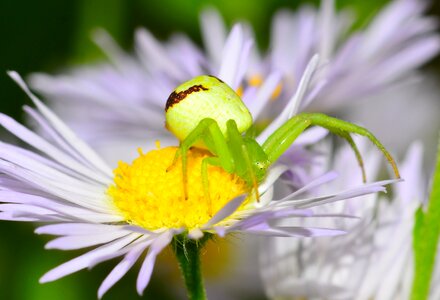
x=426, y=235
x=187, y=252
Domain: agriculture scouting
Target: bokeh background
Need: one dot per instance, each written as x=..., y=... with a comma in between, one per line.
x=51, y=35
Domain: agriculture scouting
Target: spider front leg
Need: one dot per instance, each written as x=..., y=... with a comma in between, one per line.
x=279, y=141
x=240, y=151
x=209, y=132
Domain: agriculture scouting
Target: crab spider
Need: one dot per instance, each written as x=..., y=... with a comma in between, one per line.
x=205, y=112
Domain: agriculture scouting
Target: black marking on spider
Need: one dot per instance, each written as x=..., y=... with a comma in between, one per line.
x=175, y=98
x=216, y=78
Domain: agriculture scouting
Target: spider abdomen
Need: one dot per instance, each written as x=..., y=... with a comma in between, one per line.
x=204, y=97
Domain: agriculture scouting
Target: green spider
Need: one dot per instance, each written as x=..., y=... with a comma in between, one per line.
x=205, y=112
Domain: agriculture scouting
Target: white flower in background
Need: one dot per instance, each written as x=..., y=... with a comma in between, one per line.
x=127, y=96
x=139, y=208
x=373, y=261
x=415, y=108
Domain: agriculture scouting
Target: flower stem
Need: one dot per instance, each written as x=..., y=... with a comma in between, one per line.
x=187, y=252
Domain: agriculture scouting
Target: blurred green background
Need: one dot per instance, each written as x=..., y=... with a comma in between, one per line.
x=48, y=35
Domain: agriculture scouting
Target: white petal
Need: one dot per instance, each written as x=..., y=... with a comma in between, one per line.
x=147, y=267
x=264, y=94
x=120, y=270
x=63, y=129
x=83, y=241
x=153, y=53
x=214, y=34
x=293, y=104
x=195, y=234
x=84, y=260
x=40, y=144
x=76, y=229
x=226, y=211
x=272, y=175
x=231, y=56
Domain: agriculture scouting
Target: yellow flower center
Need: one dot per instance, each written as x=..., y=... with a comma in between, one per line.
x=256, y=81
x=149, y=192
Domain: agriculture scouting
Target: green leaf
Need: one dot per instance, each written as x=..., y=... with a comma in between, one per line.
x=425, y=239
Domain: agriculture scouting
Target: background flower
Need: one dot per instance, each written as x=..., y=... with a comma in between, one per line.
x=363, y=264
x=128, y=94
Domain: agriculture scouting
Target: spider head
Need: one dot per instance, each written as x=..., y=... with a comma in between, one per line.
x=204, y=97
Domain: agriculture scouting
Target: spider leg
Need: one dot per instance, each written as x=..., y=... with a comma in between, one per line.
x=277, y=143
x=252, y=176
x=356, y=151
x=242, y=160
x=208, y=131
x=214, y=161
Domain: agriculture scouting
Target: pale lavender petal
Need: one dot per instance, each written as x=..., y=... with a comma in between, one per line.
x=316, y=90
x=267, y=230
x=7, y=216
x=283, y=54
x=108, y=45
x=147, y=267
x=273, y=174
x=24, y=161
x=231, y=56
x=408, y=59
x=63, y=129
x=141, y=230
x=152, y=53
x=58, y=208
x=40, y=144
x=327, y=177
x=292, y=108
x=78, y=242
x=387, y=23
x=266, y=215
x=76, y=229
x=23, y=208
x=46, y=161
x=214, y=34
x=121, y=269
x=327, y=40
x=411, y=171
x=57, y=189
x=264, y=94
x=84, y=260
x=143, y=241
x=311, y=136
x=350, y=193
x=345, y=56
x=226, y=211
x=306, y=29
x=185, y=53
x=195, y=234
x=244, y=62
x=293, y=104
x=53, y=134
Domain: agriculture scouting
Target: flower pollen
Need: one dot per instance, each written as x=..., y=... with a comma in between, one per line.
x=149, y=192
x=257, y=81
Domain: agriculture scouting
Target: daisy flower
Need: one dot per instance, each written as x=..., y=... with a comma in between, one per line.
x=127, y=95
x=373, y=261
x=137, y=207
x=358, y=64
